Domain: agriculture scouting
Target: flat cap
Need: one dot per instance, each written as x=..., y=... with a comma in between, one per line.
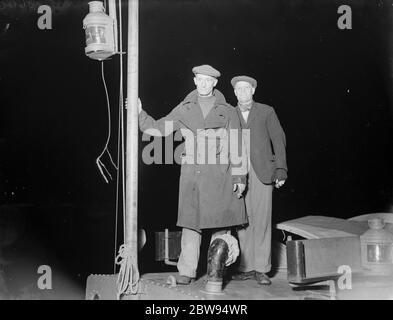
x=206, y=70
x=248, y=79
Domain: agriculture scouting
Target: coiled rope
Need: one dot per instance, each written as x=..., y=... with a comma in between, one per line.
x=128, y=278
x=233, y=247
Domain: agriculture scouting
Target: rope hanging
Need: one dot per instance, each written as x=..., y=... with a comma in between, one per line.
x=128, y=279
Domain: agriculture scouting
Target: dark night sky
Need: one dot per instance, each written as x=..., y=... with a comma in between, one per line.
x=331, y=88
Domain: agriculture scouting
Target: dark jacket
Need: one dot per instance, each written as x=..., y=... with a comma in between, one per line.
x=206, y=197
x=265, y=131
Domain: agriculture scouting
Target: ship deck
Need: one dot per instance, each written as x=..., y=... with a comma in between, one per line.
x=155, y=286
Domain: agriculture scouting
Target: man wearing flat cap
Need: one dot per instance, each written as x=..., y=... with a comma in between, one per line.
x=211, y=180
x=267, y=168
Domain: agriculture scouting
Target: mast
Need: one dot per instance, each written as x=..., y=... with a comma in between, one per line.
x=128, y=277
x=131, y=218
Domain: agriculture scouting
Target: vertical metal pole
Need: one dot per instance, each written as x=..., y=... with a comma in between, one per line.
x=113, y=15
x=131, y=219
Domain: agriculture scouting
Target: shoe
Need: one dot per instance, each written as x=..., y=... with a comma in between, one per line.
x=244, y=275
x=262, y=279
x=184, y=280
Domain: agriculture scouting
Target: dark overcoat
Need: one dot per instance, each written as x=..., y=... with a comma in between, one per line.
x=267, y=141
x=206, y=196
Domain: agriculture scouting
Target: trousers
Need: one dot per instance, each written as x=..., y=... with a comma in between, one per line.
x=255, y=238
x=190, y=250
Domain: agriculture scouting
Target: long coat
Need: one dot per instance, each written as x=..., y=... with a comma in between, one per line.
x=265, y=132
x=208, y=169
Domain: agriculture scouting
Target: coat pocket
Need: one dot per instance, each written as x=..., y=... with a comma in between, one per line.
x=272, y=163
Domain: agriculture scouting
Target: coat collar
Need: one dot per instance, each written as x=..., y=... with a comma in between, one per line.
x=215, y=119
x=253, y=113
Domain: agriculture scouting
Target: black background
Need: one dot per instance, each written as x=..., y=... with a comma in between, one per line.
x=331, y=89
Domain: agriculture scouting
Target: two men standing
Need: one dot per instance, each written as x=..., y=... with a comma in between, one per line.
x=210, y=194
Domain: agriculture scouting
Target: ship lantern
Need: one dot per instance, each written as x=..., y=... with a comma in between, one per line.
x=377, y=248
x=100, y=32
